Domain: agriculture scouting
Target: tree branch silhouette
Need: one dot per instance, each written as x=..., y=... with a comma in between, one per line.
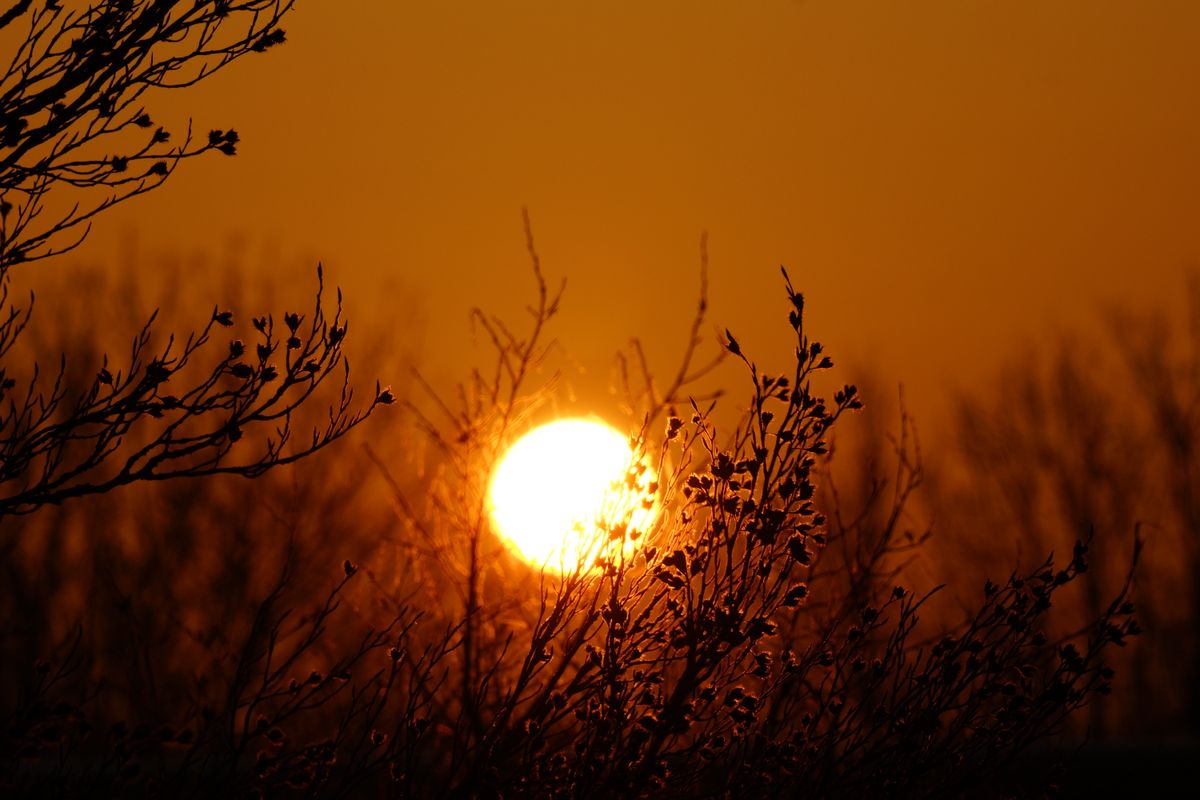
x=75, y=141
x=73, y=129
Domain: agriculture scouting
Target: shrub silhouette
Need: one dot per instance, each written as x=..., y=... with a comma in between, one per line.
x=747, y=644
x=755, y=639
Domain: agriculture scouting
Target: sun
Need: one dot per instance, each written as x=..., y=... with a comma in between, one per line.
x=566, y=489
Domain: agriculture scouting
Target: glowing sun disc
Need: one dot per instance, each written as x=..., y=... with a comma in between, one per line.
x=561, y=488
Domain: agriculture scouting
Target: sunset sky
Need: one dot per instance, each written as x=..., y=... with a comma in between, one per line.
x=944, y=180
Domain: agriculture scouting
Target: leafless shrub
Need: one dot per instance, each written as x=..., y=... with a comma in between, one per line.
x=751, y=641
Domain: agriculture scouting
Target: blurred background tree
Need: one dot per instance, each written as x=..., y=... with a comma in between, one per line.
x=1094, y=434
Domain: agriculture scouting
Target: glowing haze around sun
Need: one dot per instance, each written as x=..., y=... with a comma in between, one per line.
x=561, y=490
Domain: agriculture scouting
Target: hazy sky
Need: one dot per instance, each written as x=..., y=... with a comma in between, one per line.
x=942, y=179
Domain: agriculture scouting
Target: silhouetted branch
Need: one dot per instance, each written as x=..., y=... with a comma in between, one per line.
x=75, y=139
x=156, y=419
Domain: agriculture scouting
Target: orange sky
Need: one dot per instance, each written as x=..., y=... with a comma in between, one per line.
x=942, y=179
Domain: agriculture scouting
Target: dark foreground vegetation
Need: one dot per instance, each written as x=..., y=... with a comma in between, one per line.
x=757, y=639
x=351, y=625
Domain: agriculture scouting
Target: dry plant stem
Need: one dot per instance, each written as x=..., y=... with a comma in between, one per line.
x=472, y=428
x=526, y=355
x=646, y=402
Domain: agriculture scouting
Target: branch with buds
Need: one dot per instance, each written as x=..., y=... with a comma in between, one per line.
x=163, y=417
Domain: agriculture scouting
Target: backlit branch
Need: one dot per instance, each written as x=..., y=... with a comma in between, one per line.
x=160, y=418
x=75, y=139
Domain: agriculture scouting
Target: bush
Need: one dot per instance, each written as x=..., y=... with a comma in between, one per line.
x=743, y=645
x=754, y=638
